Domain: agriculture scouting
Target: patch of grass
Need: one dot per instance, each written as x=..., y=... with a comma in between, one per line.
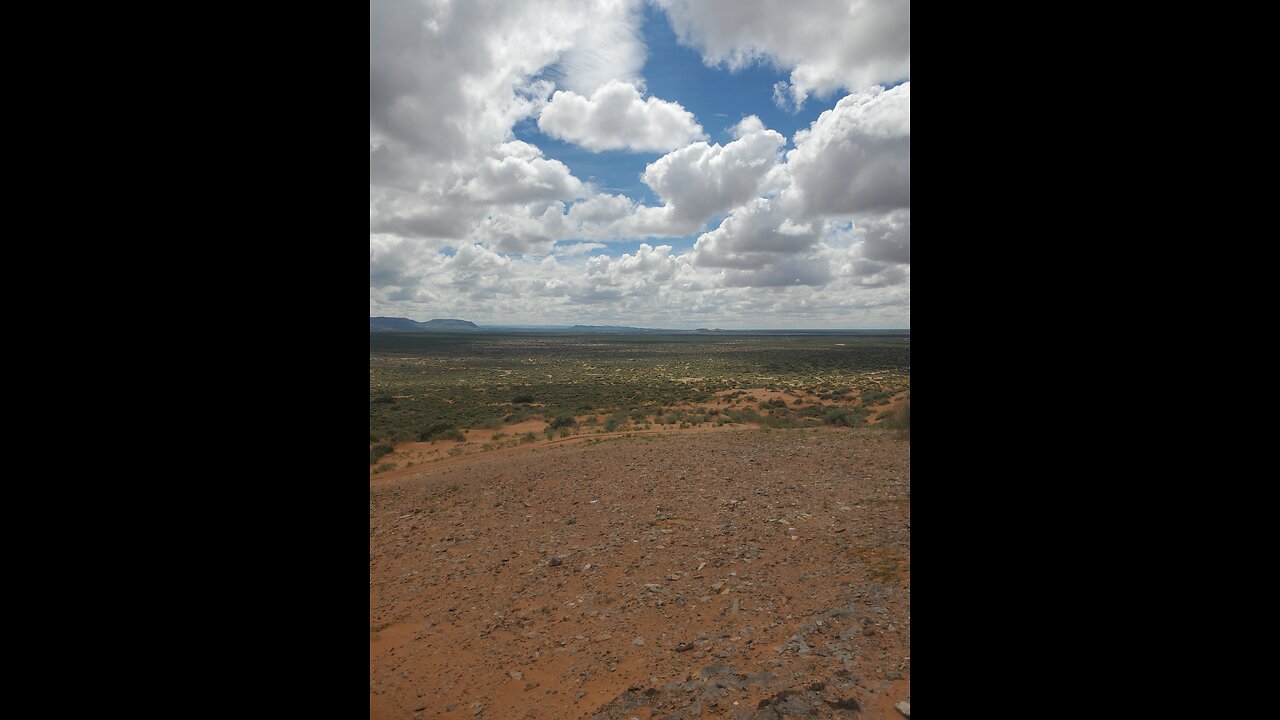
x=384, y=467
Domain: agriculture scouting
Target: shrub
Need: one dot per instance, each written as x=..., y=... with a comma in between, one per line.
x=563, y=421
x=377, y=451
x=433, y=430
x=522, y=399
x=848, y=417
x=382, y=400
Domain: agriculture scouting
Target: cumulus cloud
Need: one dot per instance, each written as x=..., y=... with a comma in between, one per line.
x=701, y=180
x=607, y=48
x=887, y=238
x=616, y=117
x=520, y=176
x=827, y=44
x=856, y=157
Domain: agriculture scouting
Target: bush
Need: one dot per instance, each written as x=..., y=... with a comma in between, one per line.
x=433, y=430
x=848, y=417
x=377, y=451
x=563, y=421
x=382, y=400
x=522, y=399
x=874, y=397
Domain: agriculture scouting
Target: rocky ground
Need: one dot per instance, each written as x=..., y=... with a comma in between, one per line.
x=737, y=574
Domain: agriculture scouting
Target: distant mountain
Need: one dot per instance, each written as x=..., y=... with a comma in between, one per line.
x=407, y=325
x=613, y=330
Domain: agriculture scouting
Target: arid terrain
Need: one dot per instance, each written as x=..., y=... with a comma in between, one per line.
x=735, y=572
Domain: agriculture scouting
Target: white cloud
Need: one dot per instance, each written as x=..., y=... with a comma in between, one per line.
x=827, y=44
x=700, y=180
x=576, y=249
x=609, y=47
x=856, y=157
x=519, y=177
x=887, y=238
x=615, y=117
x=468, y=221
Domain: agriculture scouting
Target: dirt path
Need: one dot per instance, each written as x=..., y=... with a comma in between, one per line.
x=730, y=574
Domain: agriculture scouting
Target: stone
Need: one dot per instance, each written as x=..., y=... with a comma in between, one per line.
x=555, y=561
x=638, y=641
x=516, y=675
x=904, y=707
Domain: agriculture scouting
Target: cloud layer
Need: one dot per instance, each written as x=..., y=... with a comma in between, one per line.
x=466, y=220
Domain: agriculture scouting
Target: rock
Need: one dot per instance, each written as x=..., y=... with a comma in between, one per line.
x=555, y=561
x=684, y=646
x=904, y=707
x=516, y=675
x=638, y=641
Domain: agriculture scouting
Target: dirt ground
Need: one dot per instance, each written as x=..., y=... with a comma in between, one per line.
x=739, y=573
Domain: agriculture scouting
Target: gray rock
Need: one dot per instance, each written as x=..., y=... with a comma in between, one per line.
x=555, y=561
x=904, y=707
x=638, y=641
x=516, y=675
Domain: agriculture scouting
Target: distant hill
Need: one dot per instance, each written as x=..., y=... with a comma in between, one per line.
x=407, y=325
x=613, y=329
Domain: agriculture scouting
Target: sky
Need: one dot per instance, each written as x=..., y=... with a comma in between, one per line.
x=736, y=164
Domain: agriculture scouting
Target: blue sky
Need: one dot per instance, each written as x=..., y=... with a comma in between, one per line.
x=559, y=226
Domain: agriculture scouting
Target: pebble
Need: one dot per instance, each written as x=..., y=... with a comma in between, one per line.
x=555, y=561
x=904, y=707
x=638, y=641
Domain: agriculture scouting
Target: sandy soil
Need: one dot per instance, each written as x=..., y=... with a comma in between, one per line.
x=721, y=574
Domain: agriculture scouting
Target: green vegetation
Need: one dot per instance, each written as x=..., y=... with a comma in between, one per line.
x=377, y=451
x=432, y=385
